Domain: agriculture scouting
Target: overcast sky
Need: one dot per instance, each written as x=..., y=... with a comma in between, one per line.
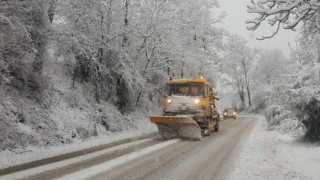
x=235, y=23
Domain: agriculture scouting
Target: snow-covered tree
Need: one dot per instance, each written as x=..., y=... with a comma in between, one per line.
x=301, y=92
x=271, y=74
x=24, y=33
x=124, y=47
x=270, y=67
x=288, y=13
x=238, y=64
x=115, y=54
x=304, y=89
x=25, y=30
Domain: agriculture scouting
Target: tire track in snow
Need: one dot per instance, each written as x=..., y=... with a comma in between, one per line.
x=95, y=170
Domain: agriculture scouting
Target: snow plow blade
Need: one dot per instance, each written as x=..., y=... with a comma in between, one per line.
x=173, y=126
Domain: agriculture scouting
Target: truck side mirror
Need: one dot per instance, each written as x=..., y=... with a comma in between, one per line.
x=214, y=96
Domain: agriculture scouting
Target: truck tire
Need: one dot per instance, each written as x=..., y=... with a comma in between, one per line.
x=216, y=128
x=206, y=132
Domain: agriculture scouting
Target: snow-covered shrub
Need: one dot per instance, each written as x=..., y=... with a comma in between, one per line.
x=294, y=109
x=11, y=114
x=305, y=98
x=260, y=99
x=312, y=120
x=82, y=132
x=141, y=122
x=281, y=116
x=285, y=121
x=24, y=122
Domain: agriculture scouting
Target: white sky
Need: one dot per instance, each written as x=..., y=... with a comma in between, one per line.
x=235, y=23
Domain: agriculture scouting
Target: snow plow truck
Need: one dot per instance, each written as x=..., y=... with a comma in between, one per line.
x=189, y=109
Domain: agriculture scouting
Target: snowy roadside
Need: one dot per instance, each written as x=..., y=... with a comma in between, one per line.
x=270, y=155
x=32, y=153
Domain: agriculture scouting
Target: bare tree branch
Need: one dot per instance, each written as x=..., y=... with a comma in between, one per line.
x=289, y=13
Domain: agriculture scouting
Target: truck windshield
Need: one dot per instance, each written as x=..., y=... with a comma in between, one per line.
x=186, y=89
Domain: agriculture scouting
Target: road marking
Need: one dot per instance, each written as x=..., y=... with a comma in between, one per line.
x=60, y=164
x=100, y=168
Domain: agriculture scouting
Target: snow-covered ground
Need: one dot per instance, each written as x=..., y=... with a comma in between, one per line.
x=270, y=155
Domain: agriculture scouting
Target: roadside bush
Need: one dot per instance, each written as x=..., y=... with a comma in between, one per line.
x=312, y=120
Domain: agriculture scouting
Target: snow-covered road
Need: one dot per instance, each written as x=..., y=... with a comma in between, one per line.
x=153, y=158
x=242, y=149
x=209, y=158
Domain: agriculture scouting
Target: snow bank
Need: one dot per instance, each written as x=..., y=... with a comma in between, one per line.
x=271, y=155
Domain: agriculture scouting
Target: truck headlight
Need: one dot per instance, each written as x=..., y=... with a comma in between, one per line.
x=169, y=101
x=197, y=101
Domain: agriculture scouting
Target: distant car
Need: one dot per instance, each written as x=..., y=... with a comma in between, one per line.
x=229, y=113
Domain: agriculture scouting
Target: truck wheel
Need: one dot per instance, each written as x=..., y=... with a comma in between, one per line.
x=206, y=132
x=216, y=128
x=210, y=114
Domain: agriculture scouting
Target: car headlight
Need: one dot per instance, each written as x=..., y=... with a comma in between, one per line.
x=225, y=113
x=169, y=101
x=234, y=113
x=197, y=101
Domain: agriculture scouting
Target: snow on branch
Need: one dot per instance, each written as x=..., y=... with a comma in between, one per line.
x=289, y=13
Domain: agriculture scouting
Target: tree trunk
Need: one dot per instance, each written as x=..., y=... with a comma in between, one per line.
x=240, y=86
x=100, y=51
x=126, y=23
x=139, y=95
x=318, y=43
x=168, y=68
x=120, y=85
x=182, y=68
x=241, y=91
x=39, y=35
x=97, y=94
x=51, y=10
x=246, y=77
x=120, y=93
x=98, y=83
x=249, y=95
x=148, y=57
